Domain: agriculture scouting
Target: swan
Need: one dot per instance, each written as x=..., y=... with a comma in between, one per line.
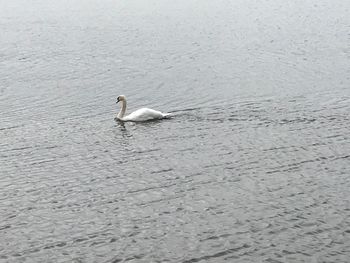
x=144, y=114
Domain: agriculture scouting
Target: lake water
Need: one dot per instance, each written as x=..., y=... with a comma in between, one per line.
x=254, y=166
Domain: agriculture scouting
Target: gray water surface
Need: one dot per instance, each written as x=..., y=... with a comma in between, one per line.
x=254, y=166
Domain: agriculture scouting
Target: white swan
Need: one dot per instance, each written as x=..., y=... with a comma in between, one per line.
x=144, y=114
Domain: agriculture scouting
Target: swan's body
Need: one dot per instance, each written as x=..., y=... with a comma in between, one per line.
x=144, y=114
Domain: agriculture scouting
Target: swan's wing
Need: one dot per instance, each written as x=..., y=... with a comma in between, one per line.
x=144, y=114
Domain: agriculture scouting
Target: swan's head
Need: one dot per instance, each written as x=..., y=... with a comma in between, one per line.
x=120, y=98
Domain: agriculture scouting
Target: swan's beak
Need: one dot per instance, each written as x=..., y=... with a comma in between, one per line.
x=117, y=101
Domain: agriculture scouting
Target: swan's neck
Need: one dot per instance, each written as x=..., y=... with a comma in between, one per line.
x=122, y=110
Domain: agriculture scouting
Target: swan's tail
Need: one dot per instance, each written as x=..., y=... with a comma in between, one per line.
x=167, y=115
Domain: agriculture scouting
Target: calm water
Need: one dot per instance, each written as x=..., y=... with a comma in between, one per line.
x=254, y=166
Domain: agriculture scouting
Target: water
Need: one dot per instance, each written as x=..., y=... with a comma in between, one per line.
x=254, y=166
